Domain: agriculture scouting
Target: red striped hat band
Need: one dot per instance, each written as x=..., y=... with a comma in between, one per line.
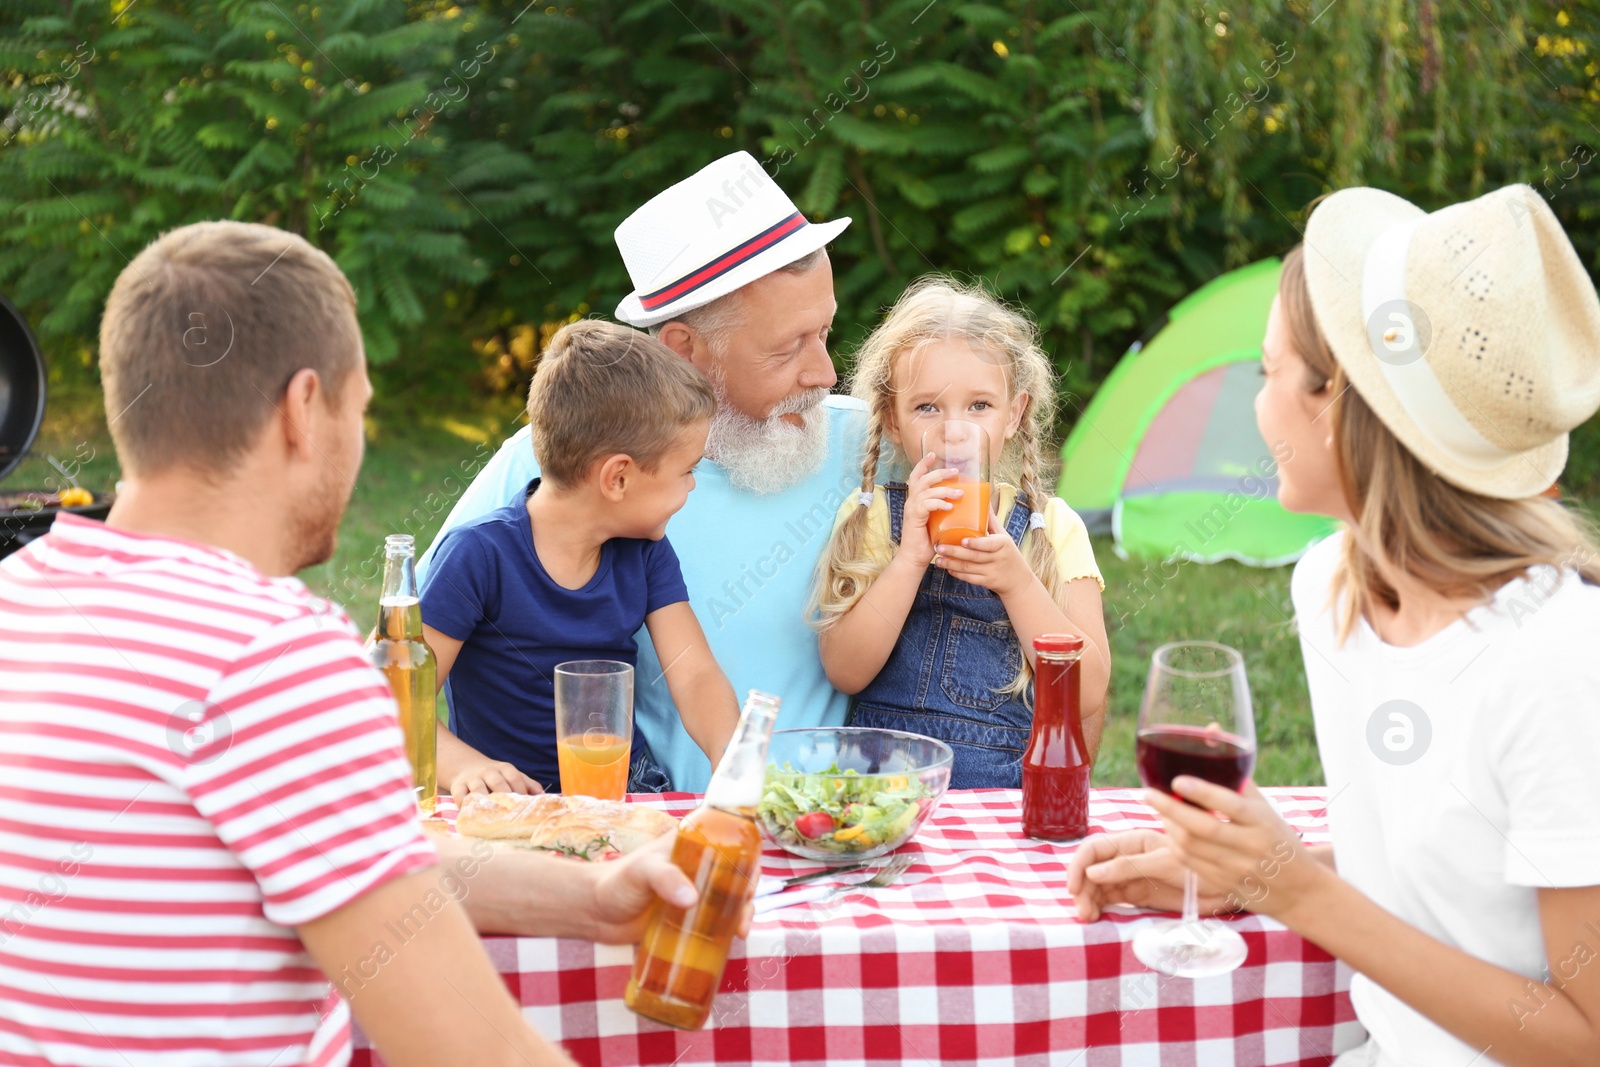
x=724, y=263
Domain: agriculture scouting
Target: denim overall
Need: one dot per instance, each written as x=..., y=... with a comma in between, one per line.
x=946, y=675
x=644, y=773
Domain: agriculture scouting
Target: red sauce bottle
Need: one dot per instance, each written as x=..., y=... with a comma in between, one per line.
x=1056, y=767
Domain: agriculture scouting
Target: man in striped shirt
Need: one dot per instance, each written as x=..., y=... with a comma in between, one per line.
x=207, y=811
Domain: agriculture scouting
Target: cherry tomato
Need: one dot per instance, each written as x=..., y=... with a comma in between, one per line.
x=814, y=825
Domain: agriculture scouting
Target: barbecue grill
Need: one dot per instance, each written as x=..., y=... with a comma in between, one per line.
x=26, y=513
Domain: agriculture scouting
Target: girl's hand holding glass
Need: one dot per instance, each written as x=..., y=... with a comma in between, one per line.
x=924, y=495
x=993, y=561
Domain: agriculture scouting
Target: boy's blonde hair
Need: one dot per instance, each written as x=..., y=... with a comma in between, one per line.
x=603, y=389
x=937, y=308
x=1458, y=543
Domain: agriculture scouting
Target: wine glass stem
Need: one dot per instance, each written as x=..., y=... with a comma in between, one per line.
x=1191, y=897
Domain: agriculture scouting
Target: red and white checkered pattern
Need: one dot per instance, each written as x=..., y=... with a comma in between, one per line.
x=974, y=956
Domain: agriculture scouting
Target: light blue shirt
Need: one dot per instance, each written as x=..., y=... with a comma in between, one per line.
x=749, y=562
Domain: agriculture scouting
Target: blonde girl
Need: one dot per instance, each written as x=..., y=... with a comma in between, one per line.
x=1424, y=371
x=938, y=640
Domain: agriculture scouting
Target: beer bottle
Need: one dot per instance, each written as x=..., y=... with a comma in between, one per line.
x=397, y=649
x=678, y=964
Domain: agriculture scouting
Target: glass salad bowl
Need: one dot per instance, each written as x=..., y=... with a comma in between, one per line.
x=842, y=795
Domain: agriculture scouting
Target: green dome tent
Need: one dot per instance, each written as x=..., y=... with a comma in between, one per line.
x=1167, y=456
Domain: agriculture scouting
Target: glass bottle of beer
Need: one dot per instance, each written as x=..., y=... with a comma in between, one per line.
x=678, y=964
x=1056, y=766
x=398, y=650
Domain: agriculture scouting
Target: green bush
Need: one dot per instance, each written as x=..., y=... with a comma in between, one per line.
x=122, y=126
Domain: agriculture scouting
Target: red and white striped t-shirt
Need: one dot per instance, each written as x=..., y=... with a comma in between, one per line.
x=194, y=759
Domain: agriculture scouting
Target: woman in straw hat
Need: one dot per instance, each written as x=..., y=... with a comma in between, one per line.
x=1424, y=370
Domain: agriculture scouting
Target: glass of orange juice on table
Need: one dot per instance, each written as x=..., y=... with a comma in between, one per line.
x=594, y=727
x=964, y=448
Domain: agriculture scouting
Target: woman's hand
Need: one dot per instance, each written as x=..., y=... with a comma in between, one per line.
x=993, y=561
x=485, y=775
x=626, y=890
x=1137, y=867
x=1254, y=858
x=924, y=496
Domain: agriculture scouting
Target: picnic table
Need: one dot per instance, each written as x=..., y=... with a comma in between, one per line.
x=973, y=957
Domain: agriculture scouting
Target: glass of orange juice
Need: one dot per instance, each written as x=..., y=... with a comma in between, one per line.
x=964, y=448
x=594, y=727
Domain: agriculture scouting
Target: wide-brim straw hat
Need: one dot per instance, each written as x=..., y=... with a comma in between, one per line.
x=1473, y=332
x=718, y=230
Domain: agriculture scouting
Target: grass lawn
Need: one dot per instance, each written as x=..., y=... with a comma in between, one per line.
x=422, y=451
x=1240, y=606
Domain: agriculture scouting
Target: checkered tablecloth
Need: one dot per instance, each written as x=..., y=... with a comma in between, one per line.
x=973, y=957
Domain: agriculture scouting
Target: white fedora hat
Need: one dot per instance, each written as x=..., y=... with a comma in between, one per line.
x=1472, y=332
x=719, y=229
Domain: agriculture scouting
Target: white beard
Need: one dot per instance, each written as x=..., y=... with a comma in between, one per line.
x=765, y=456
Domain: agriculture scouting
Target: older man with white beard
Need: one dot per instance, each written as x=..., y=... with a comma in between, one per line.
x=730, y=275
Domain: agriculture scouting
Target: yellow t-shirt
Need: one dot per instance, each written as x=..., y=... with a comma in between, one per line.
x=1064, y=527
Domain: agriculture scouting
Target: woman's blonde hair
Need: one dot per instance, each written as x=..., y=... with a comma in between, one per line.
x=1456, y=542
x=937, y=308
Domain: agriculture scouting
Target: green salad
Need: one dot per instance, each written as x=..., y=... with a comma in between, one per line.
x=840, y=811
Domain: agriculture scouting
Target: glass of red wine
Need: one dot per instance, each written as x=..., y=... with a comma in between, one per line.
x=1195, y=719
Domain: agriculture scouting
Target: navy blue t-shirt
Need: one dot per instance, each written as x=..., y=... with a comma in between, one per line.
x=487, y=588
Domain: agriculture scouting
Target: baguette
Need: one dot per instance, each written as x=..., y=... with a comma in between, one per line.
x=499, y=816
x=573, y=824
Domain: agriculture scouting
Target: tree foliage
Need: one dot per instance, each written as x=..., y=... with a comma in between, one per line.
x=467, y=164
x=125, y=121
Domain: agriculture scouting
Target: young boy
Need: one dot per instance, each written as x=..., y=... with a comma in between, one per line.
x=618, y=423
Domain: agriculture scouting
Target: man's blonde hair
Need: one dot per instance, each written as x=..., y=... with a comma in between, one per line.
x=603, y=390
x=203, y=331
